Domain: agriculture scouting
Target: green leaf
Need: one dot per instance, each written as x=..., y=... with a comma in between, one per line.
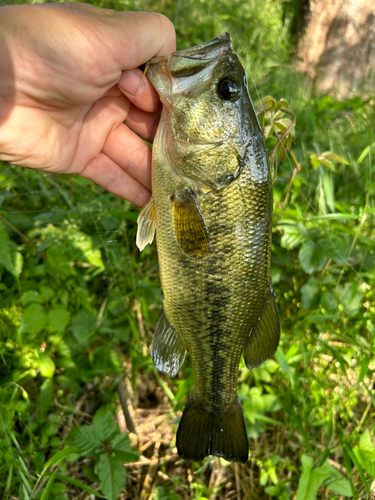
x=311, y=480
x=105, y=424
x=354, y=458
x=329, y=302
x=83, y=326
x=34, y=318
x=58, y=318
x=292, y=236
x=365, y=442
x=74, y=482
x=59, y=457
x=263, y=480
x=112, y=476
x=311, y=257
x=121, y=447
x=365, y=152
x=309, y=292
x=336, y=482
x=31, y=296
x=87, y=440
x=46, y=293
x=48, y=489
x=46, y=394
x=366, y=458
x=341, y=486
x=4, y=249
x=283, y=362
x=46, y=365
x=56, y=459
x=334, y=157
x=314, y=160
x=265, y=105
x=349, y=297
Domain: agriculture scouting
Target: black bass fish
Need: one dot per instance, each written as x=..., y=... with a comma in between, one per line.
x=212, y=211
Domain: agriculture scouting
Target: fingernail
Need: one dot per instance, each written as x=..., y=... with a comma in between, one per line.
x=131, y=82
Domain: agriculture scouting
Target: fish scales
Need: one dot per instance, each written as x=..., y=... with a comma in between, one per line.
x=216, y=180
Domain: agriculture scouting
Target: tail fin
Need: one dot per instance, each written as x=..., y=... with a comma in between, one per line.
x=203, y=433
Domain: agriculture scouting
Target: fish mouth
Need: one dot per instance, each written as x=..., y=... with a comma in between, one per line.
x=190, y=61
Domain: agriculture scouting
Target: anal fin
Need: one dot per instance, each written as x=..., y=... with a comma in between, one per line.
x=167, y=350
x=265, y=335
x=146, y=225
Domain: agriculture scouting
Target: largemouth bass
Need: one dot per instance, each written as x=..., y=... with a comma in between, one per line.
x=212, y=211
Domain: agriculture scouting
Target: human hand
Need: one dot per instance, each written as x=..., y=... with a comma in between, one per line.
x=71, y=98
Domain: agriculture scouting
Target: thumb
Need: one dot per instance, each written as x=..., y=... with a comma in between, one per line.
x=131, y=37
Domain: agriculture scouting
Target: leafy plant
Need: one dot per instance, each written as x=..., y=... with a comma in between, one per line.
x=109, y=449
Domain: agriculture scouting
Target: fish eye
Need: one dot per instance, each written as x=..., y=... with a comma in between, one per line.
x=228, y=89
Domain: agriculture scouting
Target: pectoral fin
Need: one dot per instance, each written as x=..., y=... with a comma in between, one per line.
x=146, y=225
x=189, y=225
x=265, y=335
x=167, y=350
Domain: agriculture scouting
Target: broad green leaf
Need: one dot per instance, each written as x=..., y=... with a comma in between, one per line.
x=85, y=244
x=263, y=480
x=112, y=476
x=365, y=442
x=307, y=462
x=366, y=458
x=46, y=365
x=46, y=293
x=329, y=302
x=341, y=486
x=311, y=257
x=336, y=482
x=31, y=296
x=265, y=105
x=46, y=394
x=34, y=318
x=311, y=480
x=87, y=440
x=292, y=236
x=121, y=447
x=58, y=318
x=309, y=292
x=105, y=424
x=83, y=326
x=349, y=297
x=17, y=262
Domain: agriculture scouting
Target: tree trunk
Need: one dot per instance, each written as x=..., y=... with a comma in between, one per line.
x=338, y=47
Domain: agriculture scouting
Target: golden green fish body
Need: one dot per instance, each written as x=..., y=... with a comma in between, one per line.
x=214, y=300
x=212, y=208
